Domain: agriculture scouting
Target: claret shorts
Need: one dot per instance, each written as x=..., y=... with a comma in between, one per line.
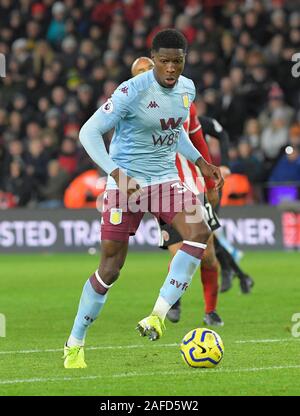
x=121, y=216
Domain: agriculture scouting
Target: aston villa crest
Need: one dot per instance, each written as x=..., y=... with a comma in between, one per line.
x=185, y=99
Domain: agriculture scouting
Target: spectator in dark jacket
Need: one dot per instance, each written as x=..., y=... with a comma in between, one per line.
x=36, y=162
x=18, y=184
x=246, y=163
x=51, y=194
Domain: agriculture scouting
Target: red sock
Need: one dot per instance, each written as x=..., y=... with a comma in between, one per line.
x=209, y=278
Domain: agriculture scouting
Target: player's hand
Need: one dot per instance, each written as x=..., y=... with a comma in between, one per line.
x=225, y=171
x=211, y=171
x=213, y=197
x=127, y=185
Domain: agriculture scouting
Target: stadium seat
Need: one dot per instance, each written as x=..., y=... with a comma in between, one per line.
x=84, y=190
x=237, y=190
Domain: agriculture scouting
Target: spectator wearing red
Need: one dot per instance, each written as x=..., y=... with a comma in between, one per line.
x=103, y=12
x=165, y=21
x=67, y=158
x=183, y=24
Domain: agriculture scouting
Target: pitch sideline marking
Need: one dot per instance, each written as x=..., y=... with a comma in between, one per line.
x=121, y=347
x=155, y=374
x=103, y=347
x=262, y=340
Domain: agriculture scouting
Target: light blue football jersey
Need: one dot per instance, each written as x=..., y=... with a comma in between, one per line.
x=148, y=121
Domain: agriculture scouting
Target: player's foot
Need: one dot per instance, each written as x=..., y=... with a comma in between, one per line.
x=152, y=327
x=213, y=319
x=74, y=357
x=226, y=281
x=174, y=313
x=246, y=283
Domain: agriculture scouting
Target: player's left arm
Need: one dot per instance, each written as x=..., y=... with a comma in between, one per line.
x=187, y=149
x=197, y=138
x=211, y=171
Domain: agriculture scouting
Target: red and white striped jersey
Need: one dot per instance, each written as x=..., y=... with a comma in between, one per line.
x=188, y=172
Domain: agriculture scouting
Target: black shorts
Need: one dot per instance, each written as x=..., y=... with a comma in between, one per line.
x=169, y=236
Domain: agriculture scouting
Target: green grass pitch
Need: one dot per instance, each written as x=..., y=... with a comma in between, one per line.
x=39, y=296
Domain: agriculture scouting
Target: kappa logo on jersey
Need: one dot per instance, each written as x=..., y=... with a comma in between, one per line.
x=171, y=123
x=108, y=106
x=153, y=104
x=115, y=216
x=124, y=90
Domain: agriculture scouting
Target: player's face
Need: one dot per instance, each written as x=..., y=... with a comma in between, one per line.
x=169, y=64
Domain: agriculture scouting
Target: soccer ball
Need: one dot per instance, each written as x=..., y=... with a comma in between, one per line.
x=202, y=348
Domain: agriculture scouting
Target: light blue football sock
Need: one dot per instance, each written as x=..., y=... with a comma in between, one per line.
x=89, y=308
x=182, y=269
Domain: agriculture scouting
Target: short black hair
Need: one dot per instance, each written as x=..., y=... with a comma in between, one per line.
x=170, y=39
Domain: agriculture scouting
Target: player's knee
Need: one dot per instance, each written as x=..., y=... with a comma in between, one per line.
x=110, y=270
x=112, y=260
x=109, y=274
x=201, y=234
x=209, y=261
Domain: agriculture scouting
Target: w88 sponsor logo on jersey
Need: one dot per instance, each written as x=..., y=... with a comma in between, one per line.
x=167, y=139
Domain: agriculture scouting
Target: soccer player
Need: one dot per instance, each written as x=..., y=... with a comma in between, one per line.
x=222, y=249
x=189, y=174
x=227, y=255
x=147, y=112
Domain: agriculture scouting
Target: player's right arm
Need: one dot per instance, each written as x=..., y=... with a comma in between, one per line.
x=103, y=120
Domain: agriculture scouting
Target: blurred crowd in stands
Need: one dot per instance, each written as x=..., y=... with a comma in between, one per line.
x=65, y=58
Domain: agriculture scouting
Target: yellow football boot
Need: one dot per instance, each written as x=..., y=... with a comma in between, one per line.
x=152, y=327
x=74, y=357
